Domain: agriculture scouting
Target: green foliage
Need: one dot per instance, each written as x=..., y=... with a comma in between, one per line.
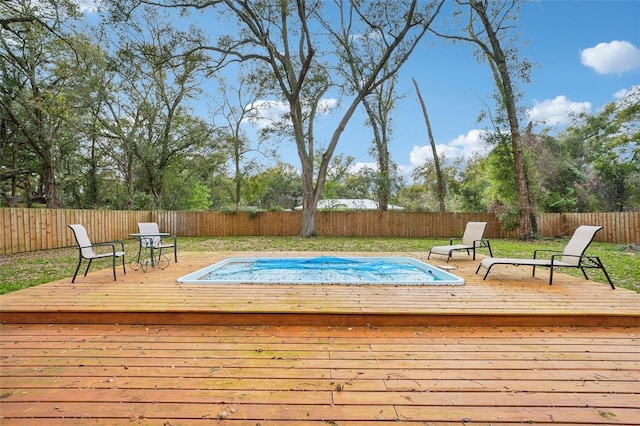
x=471, y=185
x=601, y=157
x=501, y=192
x=106, y=122
x=186, y=193
x=278, y=186
x=554, y=174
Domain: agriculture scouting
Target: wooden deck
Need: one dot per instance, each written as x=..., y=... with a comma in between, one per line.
x=146, y=350
x=509, y=297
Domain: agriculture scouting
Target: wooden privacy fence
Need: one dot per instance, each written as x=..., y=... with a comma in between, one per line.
x=24, y=230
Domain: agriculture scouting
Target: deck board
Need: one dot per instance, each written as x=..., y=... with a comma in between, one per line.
x=147, y=350
x=158, y=374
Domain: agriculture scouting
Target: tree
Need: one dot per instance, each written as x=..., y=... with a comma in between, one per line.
x=283, y=43
x=36, y=102
x=378, y=106
x=470, y=186
x=441, y=187
x=236, y=112
x=502, y=191
x=487, y=27
x=158, y=73
x=275, y=188
x=555, y=172
x=337, y=173
x=609, y=143
x=426, y=175
x=87, y=175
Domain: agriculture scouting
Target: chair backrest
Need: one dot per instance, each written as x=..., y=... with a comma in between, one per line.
x=473, y=232
x=83, y=241
x=577, y=245
x=150, y=228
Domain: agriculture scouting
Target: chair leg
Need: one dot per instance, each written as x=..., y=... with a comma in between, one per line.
x=175, y=252
x=486, y=273
x=600, y=265
x=153, y=256
x=550, y=275
x=124, y=269
x=113, y=265
x=77, y=269
x=607, y=276
x=586, y=277
x=489, y=247
x=88, y=265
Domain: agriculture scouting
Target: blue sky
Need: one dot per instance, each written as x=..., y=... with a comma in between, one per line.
x=586, y=54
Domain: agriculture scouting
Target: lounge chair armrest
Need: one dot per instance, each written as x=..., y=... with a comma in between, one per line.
x=579, y=256
x=111, y=244
x=535, y=252
x=451, y=240
x=478, y=243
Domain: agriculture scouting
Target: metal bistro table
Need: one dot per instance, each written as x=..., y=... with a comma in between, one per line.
x=146, y=255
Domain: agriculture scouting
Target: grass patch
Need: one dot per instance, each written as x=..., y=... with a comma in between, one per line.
x=25, y=270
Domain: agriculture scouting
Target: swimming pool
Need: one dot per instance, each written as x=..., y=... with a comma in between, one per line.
x=322, y=270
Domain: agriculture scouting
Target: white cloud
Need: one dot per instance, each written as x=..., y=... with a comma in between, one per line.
x=609, y=58
x=89, y=6
x=359, y=166
x=325, y=106
x=84, y=6
x=627, y=97
x=556, y=111
x=462, y=146
x=621, y=93
x=624, y=93
x=266, y=113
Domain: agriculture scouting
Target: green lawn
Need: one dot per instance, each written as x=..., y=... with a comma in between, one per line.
x=29, y=269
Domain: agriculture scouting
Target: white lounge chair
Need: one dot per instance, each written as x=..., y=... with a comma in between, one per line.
x=85, y=250
x=571, y=257
x=155, y=241
x=471, y=240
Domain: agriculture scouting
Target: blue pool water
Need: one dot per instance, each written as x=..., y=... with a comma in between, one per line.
x=322, y=270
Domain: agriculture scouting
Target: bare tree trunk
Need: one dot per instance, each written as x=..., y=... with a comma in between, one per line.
x=310, y=198
x=442, y=190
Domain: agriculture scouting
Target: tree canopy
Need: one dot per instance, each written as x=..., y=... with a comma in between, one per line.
x=104, y=117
